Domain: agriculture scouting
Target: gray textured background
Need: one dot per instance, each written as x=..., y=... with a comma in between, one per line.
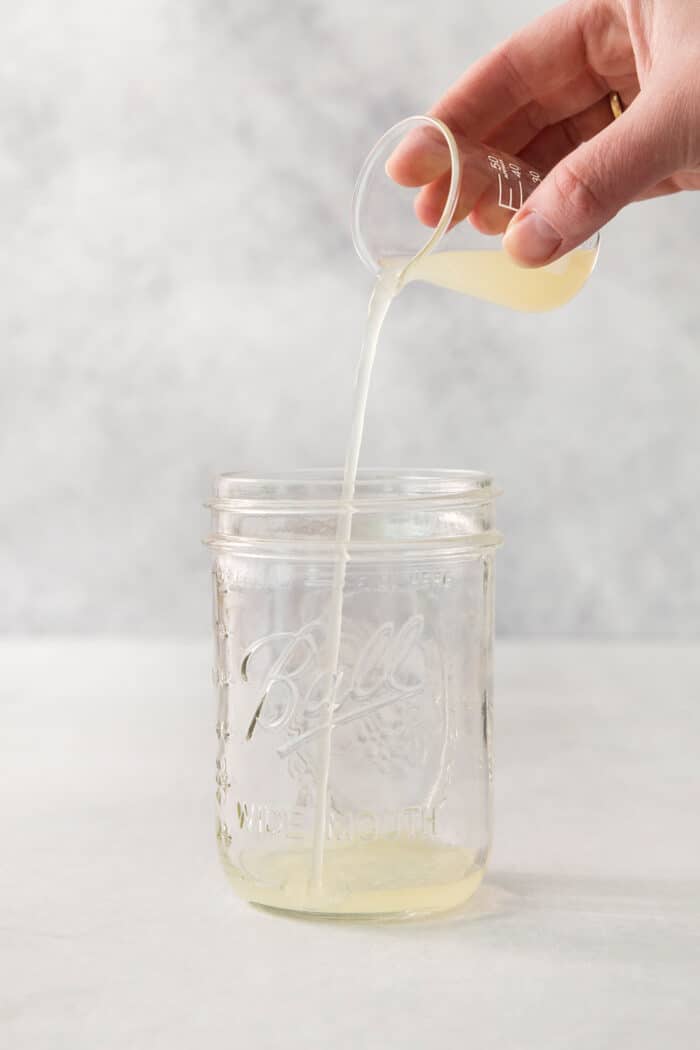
x=179, y=295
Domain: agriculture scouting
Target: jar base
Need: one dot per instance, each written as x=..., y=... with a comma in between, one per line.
x=387, y=878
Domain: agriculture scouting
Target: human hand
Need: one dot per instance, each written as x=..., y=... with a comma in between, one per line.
x=544, y=95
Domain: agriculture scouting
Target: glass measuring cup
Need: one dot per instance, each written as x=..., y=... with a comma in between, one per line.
x=484, y=186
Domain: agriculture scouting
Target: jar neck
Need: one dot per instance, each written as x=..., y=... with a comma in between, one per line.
x=394, y=513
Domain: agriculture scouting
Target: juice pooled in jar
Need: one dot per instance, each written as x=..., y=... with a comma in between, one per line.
x=362, y=878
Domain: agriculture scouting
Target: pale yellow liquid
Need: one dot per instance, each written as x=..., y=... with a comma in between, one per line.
x=491, y=275
x=366, y=878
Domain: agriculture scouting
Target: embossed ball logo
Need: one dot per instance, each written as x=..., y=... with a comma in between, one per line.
x=386, y=708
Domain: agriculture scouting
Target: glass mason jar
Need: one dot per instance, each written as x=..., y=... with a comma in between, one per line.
x=363, y=788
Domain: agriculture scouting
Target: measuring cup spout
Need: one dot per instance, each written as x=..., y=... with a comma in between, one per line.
x=384, y=223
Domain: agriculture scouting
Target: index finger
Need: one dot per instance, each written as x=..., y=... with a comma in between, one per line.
x=539, y=60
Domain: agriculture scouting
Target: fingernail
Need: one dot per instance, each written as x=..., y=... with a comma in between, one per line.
x=530, y=239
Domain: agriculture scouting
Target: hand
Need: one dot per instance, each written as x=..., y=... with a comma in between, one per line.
x=544, y=95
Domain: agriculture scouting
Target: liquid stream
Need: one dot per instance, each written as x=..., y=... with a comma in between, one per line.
x=489, y=275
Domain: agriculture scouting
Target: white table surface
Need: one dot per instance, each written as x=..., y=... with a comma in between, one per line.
x=117, y=929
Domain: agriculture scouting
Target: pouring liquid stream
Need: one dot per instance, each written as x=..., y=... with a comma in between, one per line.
x=386, y=287
x=488, y=275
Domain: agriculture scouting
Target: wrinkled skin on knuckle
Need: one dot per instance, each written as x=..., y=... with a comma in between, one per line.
x=580, y=196
x=682, y=119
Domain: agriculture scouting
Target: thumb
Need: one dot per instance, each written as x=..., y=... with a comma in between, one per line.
x=591, y=184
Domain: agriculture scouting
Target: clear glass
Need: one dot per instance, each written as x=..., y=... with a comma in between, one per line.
x=457, y=246
x=409, y=795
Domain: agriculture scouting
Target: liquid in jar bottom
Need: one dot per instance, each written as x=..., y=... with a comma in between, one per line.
x=371, y=878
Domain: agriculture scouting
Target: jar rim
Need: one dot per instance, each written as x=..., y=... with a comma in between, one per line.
x=303, y=490
x=400, y=513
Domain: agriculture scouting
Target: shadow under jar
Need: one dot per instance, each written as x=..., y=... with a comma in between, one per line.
x=402, y=726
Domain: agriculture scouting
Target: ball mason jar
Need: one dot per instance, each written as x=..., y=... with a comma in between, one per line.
x=391, y=749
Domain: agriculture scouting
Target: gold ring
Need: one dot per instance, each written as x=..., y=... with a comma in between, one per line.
x=616, y=105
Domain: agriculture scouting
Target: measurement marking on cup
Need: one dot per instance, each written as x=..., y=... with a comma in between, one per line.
x=501, y=195
x=505, y=174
